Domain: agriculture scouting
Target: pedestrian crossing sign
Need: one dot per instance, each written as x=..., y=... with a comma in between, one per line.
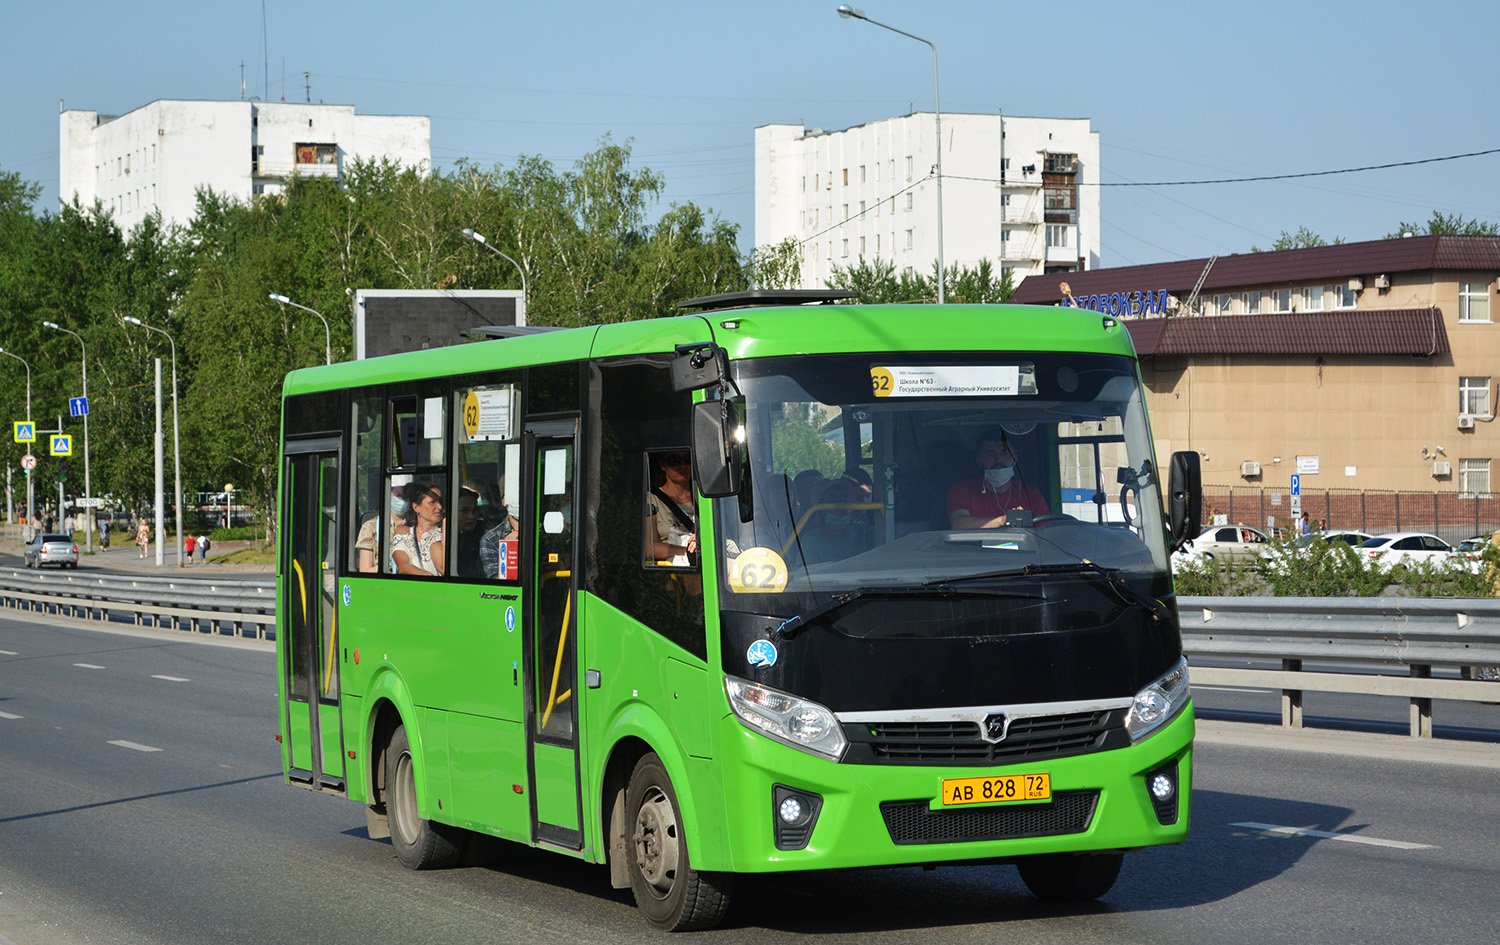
x=62, y=445
x=25, y=431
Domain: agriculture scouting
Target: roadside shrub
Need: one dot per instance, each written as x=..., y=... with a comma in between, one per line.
x=1206, y=577
x=1321, y=569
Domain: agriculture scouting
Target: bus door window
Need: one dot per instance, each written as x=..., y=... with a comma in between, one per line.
x=555, y=660
x=370, y=520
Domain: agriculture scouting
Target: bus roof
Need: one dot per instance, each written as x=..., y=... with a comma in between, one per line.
x=754, y=333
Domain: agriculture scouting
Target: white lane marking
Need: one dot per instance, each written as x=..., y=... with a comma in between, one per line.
x=7, y=715
x=9, y=653
x=1329, y=835
x=87, y=666
x=172, y=678
x=136, y=746
x=1230, y=689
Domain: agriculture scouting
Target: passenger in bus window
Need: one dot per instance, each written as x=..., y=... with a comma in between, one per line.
x=983, y=502
x=669, y=507
x=470, y=531
x=833, y=531
x=417, y=547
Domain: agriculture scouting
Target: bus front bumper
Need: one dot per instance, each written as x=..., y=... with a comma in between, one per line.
x=885, y=815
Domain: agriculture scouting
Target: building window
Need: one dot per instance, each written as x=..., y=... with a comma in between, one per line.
x=1343, y=296
x=908, y=239
x=1473, y=301
x=1312, y=298
x=908, y=166
x=815, y=181
x=861, y=208
x=846, y=249
x=861, y=173
x=1057, y=235
x=317, y=153
x=804, y=183
x=1253, y=302
x=1474, y=476
x=1281, y=301
x=877, y=244
x=846, y=177
x=1005, y=236
x=1223, y=305
x=861, y=246
x=908, y=201
x=1474, y=396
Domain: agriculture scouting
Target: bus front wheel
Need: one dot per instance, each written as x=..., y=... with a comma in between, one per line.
x=419, y=844
x=1070, y=877
x=672, y=894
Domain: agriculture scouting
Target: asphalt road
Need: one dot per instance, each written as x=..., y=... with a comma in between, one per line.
x=141, y=802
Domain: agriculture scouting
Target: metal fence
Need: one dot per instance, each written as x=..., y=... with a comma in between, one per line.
x=1451, y=516
x=230, y=608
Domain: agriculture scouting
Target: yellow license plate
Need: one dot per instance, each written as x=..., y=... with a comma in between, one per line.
x=1012, y=787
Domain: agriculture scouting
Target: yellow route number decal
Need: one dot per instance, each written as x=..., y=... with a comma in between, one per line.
x=757, y=571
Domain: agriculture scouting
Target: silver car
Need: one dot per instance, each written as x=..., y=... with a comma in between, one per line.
x=51, y=549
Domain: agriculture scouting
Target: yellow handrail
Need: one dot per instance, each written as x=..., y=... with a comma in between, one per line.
x=562, y=642
x=821, y=506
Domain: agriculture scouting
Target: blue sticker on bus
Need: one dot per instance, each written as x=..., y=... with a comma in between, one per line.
x=510, y=620
x=761, y=653
x=346, y=595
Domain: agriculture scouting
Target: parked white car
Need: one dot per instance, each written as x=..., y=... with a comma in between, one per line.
x=1409, y=548
x=1227, y=541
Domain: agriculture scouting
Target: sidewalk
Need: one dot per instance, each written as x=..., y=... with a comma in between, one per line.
x=127, y=557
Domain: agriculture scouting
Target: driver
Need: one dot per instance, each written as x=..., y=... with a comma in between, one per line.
x=982, y=502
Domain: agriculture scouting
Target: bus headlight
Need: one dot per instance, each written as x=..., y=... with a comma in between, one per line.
x=1158, y=702
x=788, y=719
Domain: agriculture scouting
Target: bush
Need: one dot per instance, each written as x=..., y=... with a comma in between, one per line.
x=1208, y=577
x=1321, y=569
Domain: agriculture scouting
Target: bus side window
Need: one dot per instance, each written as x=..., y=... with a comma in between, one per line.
x=418, y=494
x=367, y=420
x=486, y=515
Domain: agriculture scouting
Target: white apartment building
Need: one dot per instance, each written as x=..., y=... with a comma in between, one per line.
x=1021, y=192
x=157, y=156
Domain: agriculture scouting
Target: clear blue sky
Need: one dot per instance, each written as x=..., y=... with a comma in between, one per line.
x=1177, y=91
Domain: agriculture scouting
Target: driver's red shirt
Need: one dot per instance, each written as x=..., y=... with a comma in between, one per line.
x=978, y=498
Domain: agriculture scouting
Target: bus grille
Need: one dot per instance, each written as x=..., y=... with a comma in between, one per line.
x=957, y=742
x=916, y=822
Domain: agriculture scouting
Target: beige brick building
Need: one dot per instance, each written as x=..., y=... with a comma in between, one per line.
x=1366, y=366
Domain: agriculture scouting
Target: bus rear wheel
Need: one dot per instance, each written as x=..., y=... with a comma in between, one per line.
x=1070, y=877
x=672, y=894
x=419, y=844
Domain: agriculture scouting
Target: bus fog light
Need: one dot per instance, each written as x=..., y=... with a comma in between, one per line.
x=1162, y=787
x=790, y=811
x=796, y=815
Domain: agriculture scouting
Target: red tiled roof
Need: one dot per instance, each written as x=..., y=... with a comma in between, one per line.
x=1410, y=331
x=1413, y=254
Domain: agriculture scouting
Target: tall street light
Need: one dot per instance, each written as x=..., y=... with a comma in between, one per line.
x=327, y=335
x=30, y=479
x=847, y=12
x=479, y=238
x=176, y=439
x=87, y=485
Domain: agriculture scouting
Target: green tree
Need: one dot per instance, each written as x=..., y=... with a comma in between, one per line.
x=777, y=265
x=1302, y=239
x=1441, y=224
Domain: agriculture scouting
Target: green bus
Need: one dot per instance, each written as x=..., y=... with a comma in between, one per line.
x=760, y=588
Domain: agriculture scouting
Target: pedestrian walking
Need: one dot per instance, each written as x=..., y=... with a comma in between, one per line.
x=143, y=537
x=203, y=549
x=104, y=535
x=189, y=544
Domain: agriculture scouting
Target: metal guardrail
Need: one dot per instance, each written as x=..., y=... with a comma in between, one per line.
x=1377, y=633
x=235, y=608
x=1414, y=634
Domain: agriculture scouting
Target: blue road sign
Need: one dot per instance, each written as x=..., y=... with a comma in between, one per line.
x=1296, y=484
x=78, y=406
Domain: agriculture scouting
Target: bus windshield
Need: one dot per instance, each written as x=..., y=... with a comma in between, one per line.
x=909, y=471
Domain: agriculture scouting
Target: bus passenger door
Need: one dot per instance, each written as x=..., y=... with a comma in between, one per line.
x=309, y=581
x=552, y=627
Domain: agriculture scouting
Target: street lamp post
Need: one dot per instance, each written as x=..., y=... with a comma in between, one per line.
x=480, y=239
x=87, y=482
x=176, y=438
x=327, y=335
x=847, y=12
x=30, y=478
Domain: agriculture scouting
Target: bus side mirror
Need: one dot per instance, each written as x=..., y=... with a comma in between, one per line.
x=698, y=366
x=717, y=449
x=1185, y=498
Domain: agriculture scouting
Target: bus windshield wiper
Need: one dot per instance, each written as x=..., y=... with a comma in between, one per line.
x=1112, y=579
x=793, y=625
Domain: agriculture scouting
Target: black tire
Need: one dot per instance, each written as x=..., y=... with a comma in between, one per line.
x=672, y=894
x=1070, y=877
x=419, y=844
